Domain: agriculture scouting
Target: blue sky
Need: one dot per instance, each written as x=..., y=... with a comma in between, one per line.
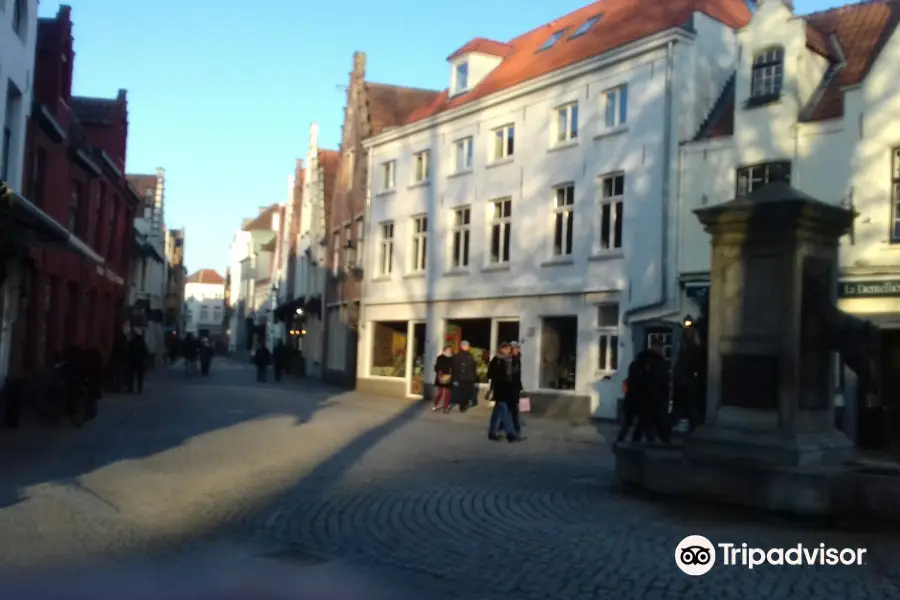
x=223, y=97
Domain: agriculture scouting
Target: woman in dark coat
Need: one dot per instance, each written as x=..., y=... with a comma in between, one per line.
x=443, y=380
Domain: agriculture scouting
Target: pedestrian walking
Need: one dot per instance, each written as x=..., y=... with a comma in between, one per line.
x=515, y=415
x=279, y=359
x=646, y=396
x=190, y=350
x=686, y=384
x=464, y=376
x=137, y=362
x=261, y=359
x=206, y=356
x=505, y=392
x=443, y=380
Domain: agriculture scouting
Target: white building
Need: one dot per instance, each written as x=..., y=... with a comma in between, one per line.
x=18, y=34
x=533, y=201
x=149, y=267
x=246, y=245
x=815, y=101
x=204, y=300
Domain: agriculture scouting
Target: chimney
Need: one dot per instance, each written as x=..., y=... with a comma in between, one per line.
x=359, y=64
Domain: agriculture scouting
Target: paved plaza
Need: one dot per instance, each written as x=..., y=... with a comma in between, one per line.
x=210, y=481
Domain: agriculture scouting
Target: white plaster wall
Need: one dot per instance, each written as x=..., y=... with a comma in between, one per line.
x=836, y=161
x=198, y=295
x=528, y=179
x=17, y=66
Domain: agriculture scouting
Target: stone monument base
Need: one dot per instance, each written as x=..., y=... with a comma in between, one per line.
x=850, y=490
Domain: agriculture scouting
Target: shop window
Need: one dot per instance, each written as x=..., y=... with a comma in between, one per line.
x=389, y=343
x=417, y=383
x=559, y=347
x=478, y=333
x=507, y=331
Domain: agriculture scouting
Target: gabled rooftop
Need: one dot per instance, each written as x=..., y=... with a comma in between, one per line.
x=210, y=276
x=554, y=45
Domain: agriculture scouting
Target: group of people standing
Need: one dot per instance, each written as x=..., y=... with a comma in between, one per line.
x=456, y=379
x=277, y=358
x=646, y=412
x=193, y=349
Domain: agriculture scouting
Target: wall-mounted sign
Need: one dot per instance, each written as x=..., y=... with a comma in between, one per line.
x=869, y=289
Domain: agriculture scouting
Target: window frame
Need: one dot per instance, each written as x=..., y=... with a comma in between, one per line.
x=464, y=86
x=764, y=68
x=421, y=167
x=19, y=21
x=388, y=175
x=586, y=26
x=73, y=209
x=615, y=114
x=419, y=243
x=894, y=233
x=564, y=212
x=553, y=39
x=386, y=248
x=608, y=340
x=6, y=152
x=460, y=251
x=566, y=127
x=360, y=241
x=504, y=140
x=335, y=252
x=501, y=226
x=767, y=166
x=347, y=246
x=463, y=148
x=616, y=213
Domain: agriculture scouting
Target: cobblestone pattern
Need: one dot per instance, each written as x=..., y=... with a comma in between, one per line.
x=421, y=503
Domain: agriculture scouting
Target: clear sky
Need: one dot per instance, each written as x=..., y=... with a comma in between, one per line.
x=221, y=94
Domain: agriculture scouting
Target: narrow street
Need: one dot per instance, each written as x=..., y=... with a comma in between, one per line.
x=223, y=478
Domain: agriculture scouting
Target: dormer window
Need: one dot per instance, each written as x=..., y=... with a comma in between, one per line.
x=461, y=75
x=552, y=40
x=768, y=74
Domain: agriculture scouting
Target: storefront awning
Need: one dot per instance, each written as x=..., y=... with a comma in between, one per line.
x=24, y=223
x=286, y=309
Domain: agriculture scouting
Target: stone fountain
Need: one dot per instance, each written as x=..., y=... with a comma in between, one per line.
x=769, y=440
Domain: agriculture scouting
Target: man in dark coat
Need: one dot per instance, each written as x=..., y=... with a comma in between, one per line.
x=279, y=359
x=686, y=376
x=516, y=354
x=137, y=362
x=206, y=356
x=465, y=376
x=646, y=396
x=505, y=392
x=261, y=359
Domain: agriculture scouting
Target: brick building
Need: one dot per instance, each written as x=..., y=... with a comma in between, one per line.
x=371, y=109
x=75, y=172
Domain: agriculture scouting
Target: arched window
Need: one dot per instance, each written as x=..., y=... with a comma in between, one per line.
x=768, y=72
x=20, y=18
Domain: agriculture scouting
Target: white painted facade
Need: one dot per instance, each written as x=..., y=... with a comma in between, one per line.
x=310, y=274
x=18, y=35
x=204, y=303
x=851, y=161
x=238, y=252
x=672, y=80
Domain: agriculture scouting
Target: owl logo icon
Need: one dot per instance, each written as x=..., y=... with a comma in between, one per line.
x=695, y=555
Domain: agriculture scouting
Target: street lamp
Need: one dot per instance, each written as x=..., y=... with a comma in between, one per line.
x=299, y=311
x=350, y=255
x=688, y=321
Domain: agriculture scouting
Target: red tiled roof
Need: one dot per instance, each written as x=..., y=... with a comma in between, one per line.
x=483, y=46
x=206, y=276
x=862, y=31
x=143, y=184
x=390, y=105
x=623, y=22
x=263, y=221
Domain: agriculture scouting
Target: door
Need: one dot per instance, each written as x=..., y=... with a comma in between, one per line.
x=417, y=347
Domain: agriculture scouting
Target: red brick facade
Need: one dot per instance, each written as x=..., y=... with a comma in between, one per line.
x=74, y=171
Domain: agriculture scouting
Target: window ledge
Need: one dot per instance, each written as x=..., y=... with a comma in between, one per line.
x=542, y=390
x=563, y=145
x=456, y=272
x=416, y=275
x=384, y=193
x=381, y=279
x=758, y=101
x=460, y=173
x=502, y=161
x=611, y=131
x=606, y=255
x=604, y=375
x=497, y=267
x=558, y=262
x=418, y=184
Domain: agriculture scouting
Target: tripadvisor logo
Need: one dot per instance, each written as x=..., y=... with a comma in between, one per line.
x=695, y=555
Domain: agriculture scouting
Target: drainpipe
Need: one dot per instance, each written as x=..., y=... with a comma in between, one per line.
x=667, y=170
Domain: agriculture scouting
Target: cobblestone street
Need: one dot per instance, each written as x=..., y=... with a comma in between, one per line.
x=222, y=474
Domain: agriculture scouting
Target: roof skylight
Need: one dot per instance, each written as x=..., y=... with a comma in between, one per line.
x=586, y=26
x=553, y=39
